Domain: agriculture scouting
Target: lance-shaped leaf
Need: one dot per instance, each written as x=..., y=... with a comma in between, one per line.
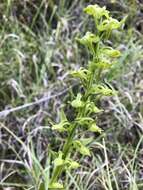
x=102, y=90
x=95, y=128
x=96, y=11
x=63, y=123
x=77, y=103
x=56, y=185
x=81, y=148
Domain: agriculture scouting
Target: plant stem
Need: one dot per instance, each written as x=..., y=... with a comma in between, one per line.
x=66, y=149
x=67, y=146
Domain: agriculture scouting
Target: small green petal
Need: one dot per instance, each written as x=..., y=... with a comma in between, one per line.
x=95, y=128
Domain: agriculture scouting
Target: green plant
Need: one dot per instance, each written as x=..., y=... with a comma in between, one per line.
x=94, y=88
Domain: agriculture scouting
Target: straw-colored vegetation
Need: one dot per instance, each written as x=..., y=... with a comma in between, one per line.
x=41, y=42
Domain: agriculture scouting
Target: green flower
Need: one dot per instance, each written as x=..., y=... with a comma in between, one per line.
x=96, y=11
x=62, y=124
x=81, y=148
x=110, y=24
x=95, y=128
x=77, y=103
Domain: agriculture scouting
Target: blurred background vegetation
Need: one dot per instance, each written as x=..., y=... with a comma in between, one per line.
x=37, y=51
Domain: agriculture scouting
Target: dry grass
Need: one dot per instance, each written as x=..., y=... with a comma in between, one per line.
x=38, y=49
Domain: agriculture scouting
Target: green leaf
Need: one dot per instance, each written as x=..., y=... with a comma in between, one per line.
x=96, y=11
x=56, y=186
x=81, y=148
x=95, y=128
x=63, y=116
x=77, y=103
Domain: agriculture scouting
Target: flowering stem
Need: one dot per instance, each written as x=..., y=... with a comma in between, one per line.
x=67, y=146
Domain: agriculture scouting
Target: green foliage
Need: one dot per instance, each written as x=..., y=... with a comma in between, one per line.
x=84, y=104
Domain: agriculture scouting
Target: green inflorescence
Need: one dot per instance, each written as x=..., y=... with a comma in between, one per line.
x=84, y=104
